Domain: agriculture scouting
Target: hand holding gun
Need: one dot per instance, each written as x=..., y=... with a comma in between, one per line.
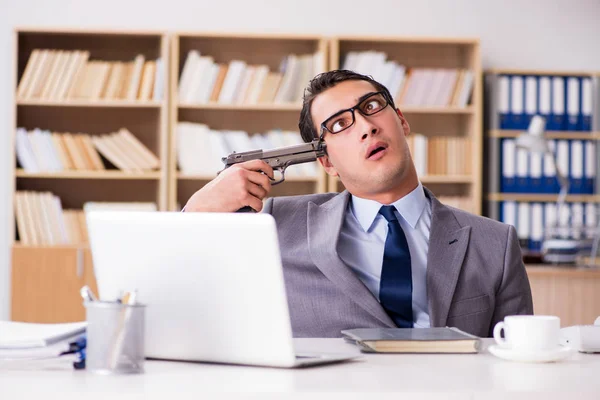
x=279, y=159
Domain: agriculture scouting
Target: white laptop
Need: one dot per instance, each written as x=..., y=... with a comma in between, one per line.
x=213, y=284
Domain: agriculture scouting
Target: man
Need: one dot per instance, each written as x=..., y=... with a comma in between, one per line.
x=386, y=252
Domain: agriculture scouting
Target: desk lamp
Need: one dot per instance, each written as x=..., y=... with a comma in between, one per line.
x=555, y=249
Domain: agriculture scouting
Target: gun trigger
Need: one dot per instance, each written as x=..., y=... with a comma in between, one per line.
x=276, y=182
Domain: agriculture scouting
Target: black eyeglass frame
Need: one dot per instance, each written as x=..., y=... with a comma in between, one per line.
x=364, y=98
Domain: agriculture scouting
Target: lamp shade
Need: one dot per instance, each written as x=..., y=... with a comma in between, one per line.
x=533, y=140
x=532, y=143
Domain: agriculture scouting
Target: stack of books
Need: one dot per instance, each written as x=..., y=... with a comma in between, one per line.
x=41, y=219
x=45, y=151
x=203, y=80
x=68, y=75
x=440, y=155
x=427, y=87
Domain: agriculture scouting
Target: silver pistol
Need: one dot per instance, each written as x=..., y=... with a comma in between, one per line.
x=280, y=158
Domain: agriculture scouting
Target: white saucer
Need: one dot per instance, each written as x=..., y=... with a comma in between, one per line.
x=557, y=354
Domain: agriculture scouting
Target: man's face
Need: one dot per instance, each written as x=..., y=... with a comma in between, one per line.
x=372, y=155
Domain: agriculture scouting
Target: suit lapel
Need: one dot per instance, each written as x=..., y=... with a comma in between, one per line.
x=448, y=242
x=324, y=226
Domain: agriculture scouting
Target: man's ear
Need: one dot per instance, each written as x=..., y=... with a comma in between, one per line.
x=329, y=168
x=404, y=122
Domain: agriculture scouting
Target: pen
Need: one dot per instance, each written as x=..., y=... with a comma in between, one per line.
x=127, y=301
x=87, y=294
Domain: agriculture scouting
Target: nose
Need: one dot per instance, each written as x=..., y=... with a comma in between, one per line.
x=364, y=126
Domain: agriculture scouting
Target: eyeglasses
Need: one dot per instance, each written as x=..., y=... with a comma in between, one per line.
x=344, y=119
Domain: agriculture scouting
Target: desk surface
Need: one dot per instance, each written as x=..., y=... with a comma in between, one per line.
x=464, y=376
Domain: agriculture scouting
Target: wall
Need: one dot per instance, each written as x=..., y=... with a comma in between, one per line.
x=529, y=34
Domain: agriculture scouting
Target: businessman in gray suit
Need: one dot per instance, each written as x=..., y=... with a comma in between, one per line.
x=385, y=252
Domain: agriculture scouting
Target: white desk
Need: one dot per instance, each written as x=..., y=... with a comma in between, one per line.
x=465, y=376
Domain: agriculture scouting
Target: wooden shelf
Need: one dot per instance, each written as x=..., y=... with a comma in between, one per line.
x=499, y=133
x=538, y=72
x=541, y=197
x=450, y=179
x=91, y=103
x=290, y=179
x=19, y=245
x=436, y=110
x=453, y=41
x=253, y=49
x=246, y=107
x=106, y=174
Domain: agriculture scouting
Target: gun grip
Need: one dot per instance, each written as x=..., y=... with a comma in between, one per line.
x=246, y=209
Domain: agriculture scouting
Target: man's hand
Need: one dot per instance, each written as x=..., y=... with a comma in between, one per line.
x=238, y=186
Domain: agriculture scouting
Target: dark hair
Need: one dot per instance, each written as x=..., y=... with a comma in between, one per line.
x=322, y=82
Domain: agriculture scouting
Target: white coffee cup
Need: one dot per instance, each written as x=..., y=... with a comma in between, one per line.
x=528, y=333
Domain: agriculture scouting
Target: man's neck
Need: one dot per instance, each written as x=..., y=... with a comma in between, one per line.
x=393, y=195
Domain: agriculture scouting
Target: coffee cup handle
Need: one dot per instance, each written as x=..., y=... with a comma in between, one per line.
x=497, y=331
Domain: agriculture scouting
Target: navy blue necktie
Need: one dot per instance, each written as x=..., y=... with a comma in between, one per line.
x=395, y=288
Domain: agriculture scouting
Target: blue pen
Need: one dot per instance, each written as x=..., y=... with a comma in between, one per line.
x=80, y=363
x=76, y=345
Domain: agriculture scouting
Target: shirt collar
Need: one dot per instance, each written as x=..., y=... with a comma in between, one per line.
x=410, y=208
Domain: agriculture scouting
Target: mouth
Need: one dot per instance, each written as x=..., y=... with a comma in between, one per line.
x=376, y=151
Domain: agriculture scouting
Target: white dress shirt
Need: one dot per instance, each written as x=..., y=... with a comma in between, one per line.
x=362, y=243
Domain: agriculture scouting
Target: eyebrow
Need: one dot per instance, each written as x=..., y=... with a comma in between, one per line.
x=358, y=101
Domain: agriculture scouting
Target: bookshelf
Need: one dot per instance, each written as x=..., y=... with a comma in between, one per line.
x=46, y=278
x=438, y=122
x=221, y=115
x=521, y=187
x=65, y=95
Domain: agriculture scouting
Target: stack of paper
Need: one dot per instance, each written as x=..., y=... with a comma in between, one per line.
x=27, y=335
x=21, y=340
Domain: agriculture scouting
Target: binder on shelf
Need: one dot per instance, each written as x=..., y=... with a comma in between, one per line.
x=545, y=99
x=504, y=102
x=517, y=99
x=586, y=107
x=531, y=98
x=573, y=94
x=523, y=178
x=562, y=159
x=591, y=215
x=509, y=155
x=535, y=173
x=557, y=120
x=564, y=220
x=550, y=183
x=590, y=167
x=534, y=220
x=537, y=227
x=508, y=212
x=550, y=217
x=576, y=167
x=577, y=219
x=523, y=224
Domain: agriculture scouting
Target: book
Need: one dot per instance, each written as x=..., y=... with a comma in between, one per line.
x=24, y=335
x=413, y=340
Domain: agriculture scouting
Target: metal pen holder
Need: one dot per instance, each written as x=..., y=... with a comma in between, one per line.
x=115, y=337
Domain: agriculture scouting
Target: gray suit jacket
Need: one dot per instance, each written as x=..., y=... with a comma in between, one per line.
x=475, y=274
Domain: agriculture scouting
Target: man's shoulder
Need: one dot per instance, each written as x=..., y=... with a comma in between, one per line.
x=478, y=222
x=284, y=205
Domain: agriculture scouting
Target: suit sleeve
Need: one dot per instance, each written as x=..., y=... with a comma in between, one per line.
x=268, y=206
x=514, y=295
